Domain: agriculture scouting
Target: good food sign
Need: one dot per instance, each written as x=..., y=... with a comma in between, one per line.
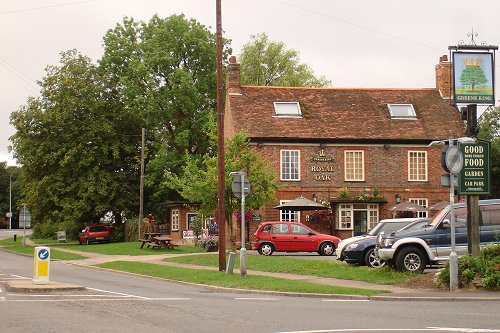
x=475, y=175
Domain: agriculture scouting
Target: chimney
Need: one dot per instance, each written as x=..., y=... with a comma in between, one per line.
x=233, y=77
x=444, y=78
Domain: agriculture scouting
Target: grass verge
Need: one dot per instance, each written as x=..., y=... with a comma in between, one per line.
x=127, y=248
x=322, y=268
x=221, y=279
x=18, y=247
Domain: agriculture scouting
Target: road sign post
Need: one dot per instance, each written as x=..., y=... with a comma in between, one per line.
x=41, y=266
x=241, y=187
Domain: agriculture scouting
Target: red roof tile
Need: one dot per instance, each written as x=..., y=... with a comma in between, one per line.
x=342, y=114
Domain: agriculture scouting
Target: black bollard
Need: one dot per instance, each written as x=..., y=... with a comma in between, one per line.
x=15, y=237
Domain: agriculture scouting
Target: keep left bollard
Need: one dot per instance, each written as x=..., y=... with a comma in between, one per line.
x=41, y=265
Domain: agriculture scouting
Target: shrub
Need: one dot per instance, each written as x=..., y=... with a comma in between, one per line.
x=486, y=266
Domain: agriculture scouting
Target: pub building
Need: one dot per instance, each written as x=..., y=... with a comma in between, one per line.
x=360, y=150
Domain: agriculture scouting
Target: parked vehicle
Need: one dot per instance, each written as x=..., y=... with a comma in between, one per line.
x=386, y=225
x=100, y=233
x=291, y=237
x=413, y=250
x=362, y=251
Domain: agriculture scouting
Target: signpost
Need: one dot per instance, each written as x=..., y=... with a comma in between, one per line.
x=41, y=265
x=241, y=187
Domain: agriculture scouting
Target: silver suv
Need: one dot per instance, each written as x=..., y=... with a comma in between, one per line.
x=415, y=249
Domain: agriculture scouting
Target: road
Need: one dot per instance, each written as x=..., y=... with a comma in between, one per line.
x=115, y=302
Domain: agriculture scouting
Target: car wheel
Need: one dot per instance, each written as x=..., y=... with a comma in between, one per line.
x=87, y=241
x=411, y=259
x=327, y=249
x=371, y=260
x=266, y=249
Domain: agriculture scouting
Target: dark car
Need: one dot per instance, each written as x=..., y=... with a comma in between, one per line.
x=362, y=251
x=100, y=233
x=291, y=237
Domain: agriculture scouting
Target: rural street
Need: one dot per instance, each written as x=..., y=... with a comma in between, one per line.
x=116, y=302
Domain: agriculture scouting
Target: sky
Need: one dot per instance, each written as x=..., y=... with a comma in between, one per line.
x=355, y=44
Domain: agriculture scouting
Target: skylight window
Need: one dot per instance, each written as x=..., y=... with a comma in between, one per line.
x=287, y=109
x=402, y=111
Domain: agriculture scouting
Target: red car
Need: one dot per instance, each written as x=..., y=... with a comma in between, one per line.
x=95, y=233
x=291, y=237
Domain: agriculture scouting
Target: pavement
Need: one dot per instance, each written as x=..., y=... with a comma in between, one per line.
x=388, y=292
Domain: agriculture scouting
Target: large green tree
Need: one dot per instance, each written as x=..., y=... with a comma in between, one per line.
x=73, y=144
x=198, y=182
x=11, y=192
x=165, y=71
x=269, y=63
x=489, y=130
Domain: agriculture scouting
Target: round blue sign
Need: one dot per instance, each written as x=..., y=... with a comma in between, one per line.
x=43, y=254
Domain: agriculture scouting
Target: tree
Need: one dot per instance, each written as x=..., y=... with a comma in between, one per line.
x=198, y=183
x=268, y=63
x=77, y=159
x=10, y=176
x=472, y=76
x=164, y=71
x=489, y=130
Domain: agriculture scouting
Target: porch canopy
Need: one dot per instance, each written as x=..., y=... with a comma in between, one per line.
x=408, y=206
x=301, y=204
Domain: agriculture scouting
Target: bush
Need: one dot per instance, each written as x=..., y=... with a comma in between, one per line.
x=486, y=266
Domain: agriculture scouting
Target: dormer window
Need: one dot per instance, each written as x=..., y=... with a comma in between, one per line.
x=402, y=111
x=287, y=109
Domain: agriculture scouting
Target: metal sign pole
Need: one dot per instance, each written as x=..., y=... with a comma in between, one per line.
x=243, y=251
x=24, y=224
x=453, y=253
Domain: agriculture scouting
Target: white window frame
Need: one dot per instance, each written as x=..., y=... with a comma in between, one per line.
x=287, y=176
x=424, y=202
x=288, y=215
x=187, y=220
x=415, y=176
x=393, y=110
x=175, y=220
x=345, y=217
x=373, y=218
x=354, y=168
x=287, y=110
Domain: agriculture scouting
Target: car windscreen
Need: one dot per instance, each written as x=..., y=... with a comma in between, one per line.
x=389, y=228
x=98, y=228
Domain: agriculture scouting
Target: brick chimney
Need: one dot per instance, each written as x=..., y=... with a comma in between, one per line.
x=444, y=78
x=233, y=77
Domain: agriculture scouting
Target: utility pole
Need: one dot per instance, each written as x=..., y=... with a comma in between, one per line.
x=10, y=202
x=221, y=209
x=141, y=190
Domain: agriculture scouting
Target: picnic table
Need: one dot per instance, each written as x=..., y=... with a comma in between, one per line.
x=157, y=240
x=148, y=238
x=163, y=242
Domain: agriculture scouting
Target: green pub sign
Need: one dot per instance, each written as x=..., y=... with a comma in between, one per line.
x=475, y=175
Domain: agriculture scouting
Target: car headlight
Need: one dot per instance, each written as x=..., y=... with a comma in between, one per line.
x=352, y=246
x=388, y=242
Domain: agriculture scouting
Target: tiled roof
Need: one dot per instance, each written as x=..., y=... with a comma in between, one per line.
x=342, y=114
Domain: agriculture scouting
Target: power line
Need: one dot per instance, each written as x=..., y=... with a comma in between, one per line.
x=45, y=7
x=359, y=26
x=11, y=70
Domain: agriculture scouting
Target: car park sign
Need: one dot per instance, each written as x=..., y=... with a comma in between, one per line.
x=474, y=178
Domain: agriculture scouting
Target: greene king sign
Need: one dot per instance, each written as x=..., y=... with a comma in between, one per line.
x=475, y=175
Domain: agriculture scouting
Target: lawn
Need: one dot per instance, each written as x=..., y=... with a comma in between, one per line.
x=323, y=268
x=127, y=248
x=18, y=247
x=221, y=279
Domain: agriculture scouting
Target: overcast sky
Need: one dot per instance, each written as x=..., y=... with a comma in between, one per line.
x=364, y=43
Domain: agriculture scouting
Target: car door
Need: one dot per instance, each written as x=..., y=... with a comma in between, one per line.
x=303, y=239
x=490, y=224
x=281, y=236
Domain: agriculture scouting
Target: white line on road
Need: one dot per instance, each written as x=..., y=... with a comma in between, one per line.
x=2, y=299
x=38, y=295
x=256, y=299
x=117, y=293
x=98, y=299
x=345, y=300
x=427, y=329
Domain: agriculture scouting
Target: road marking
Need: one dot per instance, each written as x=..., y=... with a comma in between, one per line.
x=38, y=295
x=345, y=300
x=256, y=299
x=428, y=329
x=98, y=299
x=117, y=293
